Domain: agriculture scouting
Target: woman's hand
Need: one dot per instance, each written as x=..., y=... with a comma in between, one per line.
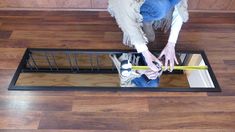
x=150, y=58
x=170, y=58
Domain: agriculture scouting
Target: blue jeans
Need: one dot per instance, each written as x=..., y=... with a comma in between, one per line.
x=144, y=81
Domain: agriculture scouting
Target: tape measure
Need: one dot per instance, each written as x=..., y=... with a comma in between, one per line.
x=175, y=67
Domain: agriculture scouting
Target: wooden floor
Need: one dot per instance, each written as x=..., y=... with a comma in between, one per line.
x=75, y=111
x=93, y=80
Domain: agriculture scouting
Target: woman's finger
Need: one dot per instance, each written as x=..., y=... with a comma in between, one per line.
x=166, y=64
x=158, y=61
x=176, y=60
x=171, y=65
x=162, y=53
x=152, y=66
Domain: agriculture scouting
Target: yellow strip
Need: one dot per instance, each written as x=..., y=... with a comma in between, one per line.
x=175, y=67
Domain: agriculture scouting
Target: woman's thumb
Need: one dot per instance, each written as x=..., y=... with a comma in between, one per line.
x=153, y=67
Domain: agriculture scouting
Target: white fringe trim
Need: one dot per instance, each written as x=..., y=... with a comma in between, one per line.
x=129, y=19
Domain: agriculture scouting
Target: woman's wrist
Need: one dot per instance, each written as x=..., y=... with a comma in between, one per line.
x=141, y=48
x=171, y=44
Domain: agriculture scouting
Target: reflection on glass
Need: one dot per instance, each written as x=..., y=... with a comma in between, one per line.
x=109, y=69
x=193, y=73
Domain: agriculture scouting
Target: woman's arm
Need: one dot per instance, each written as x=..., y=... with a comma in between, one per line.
x=176, y=25
x=129, y=19
x=169, y=50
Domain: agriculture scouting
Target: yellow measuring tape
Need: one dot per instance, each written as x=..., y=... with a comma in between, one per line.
x=175, y=67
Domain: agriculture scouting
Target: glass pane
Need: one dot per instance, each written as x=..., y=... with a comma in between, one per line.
x=112, y=70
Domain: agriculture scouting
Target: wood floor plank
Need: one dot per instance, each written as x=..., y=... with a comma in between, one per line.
x=192, y=104
x=110, y=104
x=88, y=121
x=11, y=53
x=88, y=80
x=5, y=79
x=36, y=103
x=66, y=35
x=5, y=34
x=57, y=27
x=38, y=93
x=169, y=130
x=220, y=28
x=138, y=94
x=51, y=111
x=10, y=57
x=19, y=119
x=187, y=120
x=56, y=130
x=71, y=44
x=190, y=130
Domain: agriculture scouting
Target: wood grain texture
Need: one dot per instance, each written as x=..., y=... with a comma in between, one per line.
x=198, y=5
x=36, y=103
x=10, y=58
x=92, y=80
x=5, y=78
x=99, y=4
x=19, y=119
x=174, y=81
x=46, y=3
x=88, y=121
x=169, y=130
x=110, y=104
x=89, y=111
x=56, y=130
x=5, y=34
x=143, y=94
x=190, y=130
x=203, y=104
x=187, y=120
x=87, y=80
x=214, y=4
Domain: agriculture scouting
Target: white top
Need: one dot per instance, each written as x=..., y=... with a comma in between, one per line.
x=129, y=19
x=176, y=25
